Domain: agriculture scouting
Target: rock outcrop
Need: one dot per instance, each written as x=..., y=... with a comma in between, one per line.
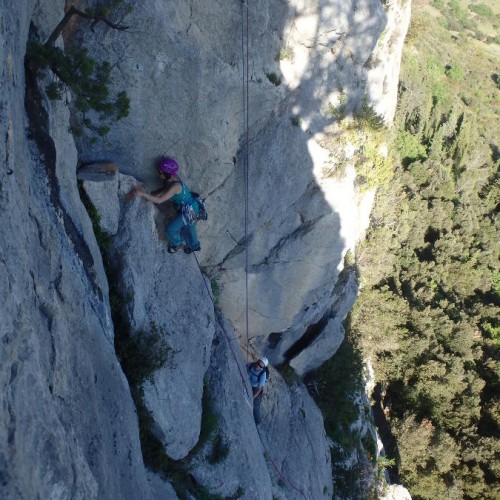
x=165, y=295
x=269, y=464
x=396, y=492
x=168, y=292
x=385, y=62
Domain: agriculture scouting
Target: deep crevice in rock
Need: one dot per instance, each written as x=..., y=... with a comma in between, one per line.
x=379, y=406
x=311, y=334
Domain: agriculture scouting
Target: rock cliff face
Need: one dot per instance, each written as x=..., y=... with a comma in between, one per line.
x=69, y=427
x=166, y=293
x=304, y=58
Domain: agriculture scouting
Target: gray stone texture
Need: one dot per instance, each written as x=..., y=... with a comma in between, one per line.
x=230, y=396
x=290, y=437
x=385, y=62
x=396, y=492
x=68, y=427
x=164, y=293
x=293, y=436
x=325, y=345
x=187, y=101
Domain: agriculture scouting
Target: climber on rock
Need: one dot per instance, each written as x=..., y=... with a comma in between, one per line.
x=258, y=373
x=183, y=226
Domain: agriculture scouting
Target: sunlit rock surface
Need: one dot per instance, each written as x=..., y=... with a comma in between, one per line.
x=165, y=295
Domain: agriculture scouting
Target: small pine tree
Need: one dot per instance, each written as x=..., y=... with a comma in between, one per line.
x=367, y=117
x=78, y=74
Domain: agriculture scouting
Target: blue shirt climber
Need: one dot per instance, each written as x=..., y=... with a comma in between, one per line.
x=257, y=373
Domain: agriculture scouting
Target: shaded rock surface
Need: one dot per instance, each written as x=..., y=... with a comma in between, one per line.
x=329, y=338
x=160, y=488
x=244, y=466
x=292, y=421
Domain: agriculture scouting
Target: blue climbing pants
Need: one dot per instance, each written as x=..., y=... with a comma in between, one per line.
x=257, y=416
x=177, y=231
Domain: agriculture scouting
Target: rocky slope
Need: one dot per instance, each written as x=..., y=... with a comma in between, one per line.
x=69, y=427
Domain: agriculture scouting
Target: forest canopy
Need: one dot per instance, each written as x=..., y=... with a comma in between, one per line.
x=428, y=312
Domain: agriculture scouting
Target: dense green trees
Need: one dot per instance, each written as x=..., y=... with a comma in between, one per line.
x=428, y=313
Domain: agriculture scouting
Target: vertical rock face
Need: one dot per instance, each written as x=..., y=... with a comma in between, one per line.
x=385, y=62
x=68, y=427
x=323, y=346
x=293, y=422
x=165, y=295
x=396, y=492
x=244, y=466
x=275, y=459
x=187, y=100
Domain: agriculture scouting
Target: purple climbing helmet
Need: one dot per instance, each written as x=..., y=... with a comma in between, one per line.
x=169, y=166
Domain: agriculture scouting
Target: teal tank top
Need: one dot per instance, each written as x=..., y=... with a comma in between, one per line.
x=184, y=197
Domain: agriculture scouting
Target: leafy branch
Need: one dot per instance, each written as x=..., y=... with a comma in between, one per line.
x=78, y=74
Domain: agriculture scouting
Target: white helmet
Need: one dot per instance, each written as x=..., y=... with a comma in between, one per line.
x=264, y=360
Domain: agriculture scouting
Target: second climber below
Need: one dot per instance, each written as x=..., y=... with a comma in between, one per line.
x=175, y=190
x=258, y=374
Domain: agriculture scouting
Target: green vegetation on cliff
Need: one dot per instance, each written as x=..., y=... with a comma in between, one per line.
x=428, y=313
x=74, y=73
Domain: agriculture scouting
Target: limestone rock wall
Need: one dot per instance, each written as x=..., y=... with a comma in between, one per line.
x=165, y=295
x=291, y=422
x=385, y=62
x=68, y=427
x=187, y=101
x=273, y=460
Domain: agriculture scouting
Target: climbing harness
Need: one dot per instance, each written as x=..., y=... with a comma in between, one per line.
x=189, y=214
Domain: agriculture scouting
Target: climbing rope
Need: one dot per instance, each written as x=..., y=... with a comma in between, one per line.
x=246, y=125
x=226, y=335
x=245, y=73
x=245, y=68
x=280, y=474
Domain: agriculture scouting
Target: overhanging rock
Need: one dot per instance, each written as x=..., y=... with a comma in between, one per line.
x=328, y=341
